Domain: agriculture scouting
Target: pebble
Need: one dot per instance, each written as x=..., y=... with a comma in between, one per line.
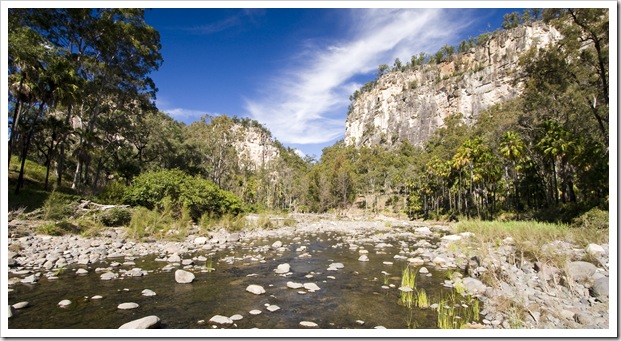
x=360, y=322
x=309, y=324
x=236, y=317
x=127, y=306
x=81, y=271
x=423, y=270
x=142, y=323
x=255, y=312
x=96, y=297
x=363, y=258
x=277, y=245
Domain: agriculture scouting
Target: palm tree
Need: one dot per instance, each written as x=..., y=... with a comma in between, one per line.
x=512, y=149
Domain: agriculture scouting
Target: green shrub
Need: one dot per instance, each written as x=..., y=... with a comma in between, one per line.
x=56, y=207
x=593, y=219
x=115, y=217
x=198, y=195
x=112, y=193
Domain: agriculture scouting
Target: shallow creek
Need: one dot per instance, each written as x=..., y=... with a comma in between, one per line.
x=353, y=298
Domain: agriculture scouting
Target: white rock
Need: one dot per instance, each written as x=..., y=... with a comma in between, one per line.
x=283, y=268
x=21, y=305
x=311, y=286
x=174, y=258
x=255, y=312
x=423, y=270
x=309, y=324
x=416, y=261
x=236, y=317
x=277, y=245
x=439, y=261
x=337, y=265
x=10, y=311
x=148, y=292
x=255, y=289
x=387, y=263
x=363, y=258
x=96, y=297
x=451, y=237
x=81, y=271
x=422, y=230
x=106, y=276
x=128, y=306
x=273, y=308
x=184, y=277
x=379, y=327
x=595, y=250
x=406, y=289
x=200, y=240
x=219, y=319
x=294, y=285
x=142, y=323
x=362, y=252
x=64, y=303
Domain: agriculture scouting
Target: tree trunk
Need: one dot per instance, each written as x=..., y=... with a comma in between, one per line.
x=61, y=155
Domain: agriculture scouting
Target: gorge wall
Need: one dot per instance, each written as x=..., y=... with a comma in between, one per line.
x=412, y=104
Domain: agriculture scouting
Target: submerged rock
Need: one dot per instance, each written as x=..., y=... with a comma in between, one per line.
x=147, y=322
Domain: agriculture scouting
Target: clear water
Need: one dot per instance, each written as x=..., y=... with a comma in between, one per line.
x=355, y=294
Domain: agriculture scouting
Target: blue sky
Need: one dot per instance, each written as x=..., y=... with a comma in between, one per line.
x=293, y=69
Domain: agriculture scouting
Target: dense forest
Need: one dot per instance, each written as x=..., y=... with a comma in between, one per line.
x=82, y=106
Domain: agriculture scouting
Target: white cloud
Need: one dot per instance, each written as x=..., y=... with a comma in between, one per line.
x=307, y=103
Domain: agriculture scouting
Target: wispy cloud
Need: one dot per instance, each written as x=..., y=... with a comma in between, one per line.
x=307, y=103
x=239, y=19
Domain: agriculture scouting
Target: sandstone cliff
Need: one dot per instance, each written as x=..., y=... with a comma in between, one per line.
x=412, y=104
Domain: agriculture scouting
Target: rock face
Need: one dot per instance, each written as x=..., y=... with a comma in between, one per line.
x=412, y=104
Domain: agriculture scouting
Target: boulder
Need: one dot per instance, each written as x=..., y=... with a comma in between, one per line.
x=147, y=322
x=184, y=277
x=200, y=240
x=580, y=271
x=283, y=268
x=601, y=287
x=473, y=285
x=255, y=289
x=595, y=250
